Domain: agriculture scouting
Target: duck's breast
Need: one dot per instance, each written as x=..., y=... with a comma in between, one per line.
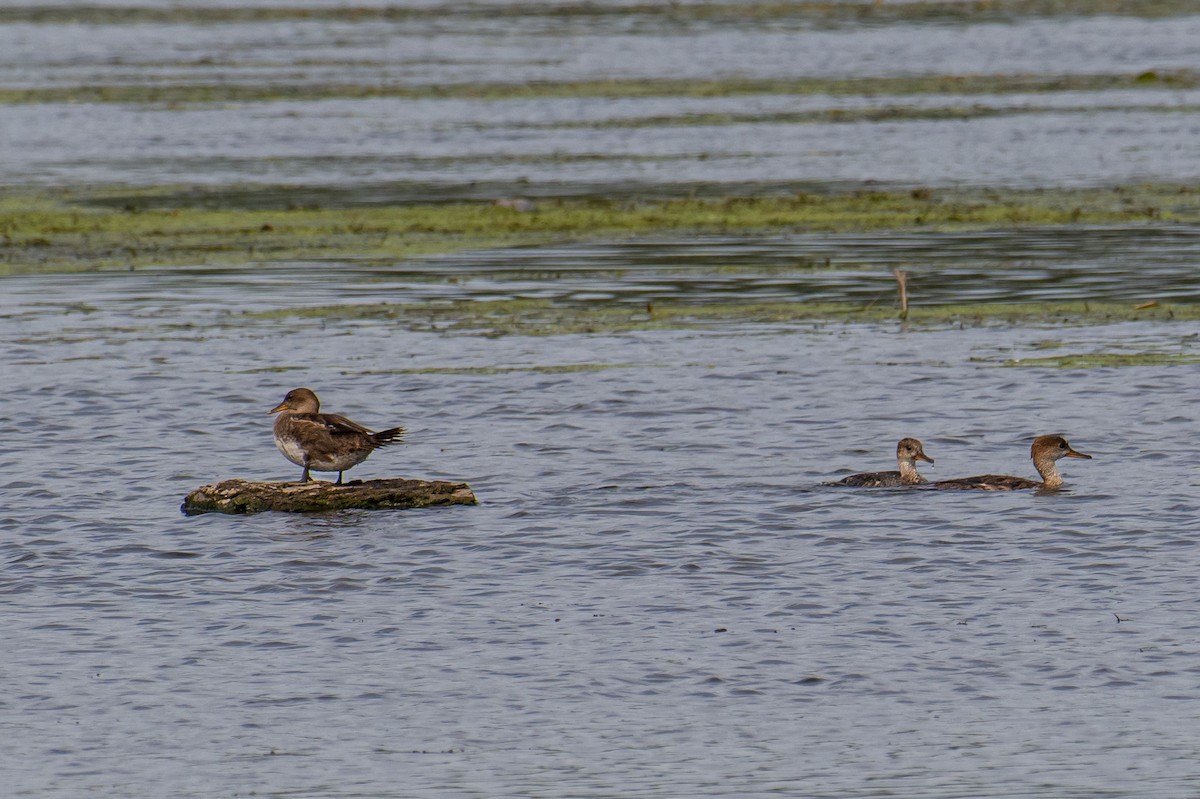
x=291, y=448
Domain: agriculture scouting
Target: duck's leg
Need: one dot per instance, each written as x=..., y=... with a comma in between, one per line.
x=339, y=482
x=304, y=478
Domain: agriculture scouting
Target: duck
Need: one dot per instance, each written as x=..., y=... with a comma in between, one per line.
x=1045, y=451
x=908, y=452
x=324, y=442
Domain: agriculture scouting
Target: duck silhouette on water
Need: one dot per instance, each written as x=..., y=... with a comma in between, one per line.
x=908, y=452
x=324, y=442
x=1046, y=451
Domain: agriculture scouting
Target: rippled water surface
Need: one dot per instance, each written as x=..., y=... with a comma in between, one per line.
x=655, y=597
x=324, y=123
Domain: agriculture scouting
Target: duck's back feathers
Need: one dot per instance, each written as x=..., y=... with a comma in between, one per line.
x=873, y=480
x=988, y=482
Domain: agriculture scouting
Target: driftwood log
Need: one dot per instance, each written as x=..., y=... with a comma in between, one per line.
x=244, y=496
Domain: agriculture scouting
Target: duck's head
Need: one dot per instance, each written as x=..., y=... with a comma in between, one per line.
x=1051, y=448
x=299, y=400
x=910, y=450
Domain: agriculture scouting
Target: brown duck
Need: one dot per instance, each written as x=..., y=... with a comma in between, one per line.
x=324, y=442
x=908, y=452
x=1046, y=450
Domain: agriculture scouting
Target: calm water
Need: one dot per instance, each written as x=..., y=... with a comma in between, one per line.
x=655, y=598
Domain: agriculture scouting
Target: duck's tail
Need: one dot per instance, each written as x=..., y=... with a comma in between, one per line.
x=385, y=437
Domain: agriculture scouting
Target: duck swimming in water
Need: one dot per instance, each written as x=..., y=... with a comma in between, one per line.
x=324, y=442
x=1046, y=450
x=908, y=452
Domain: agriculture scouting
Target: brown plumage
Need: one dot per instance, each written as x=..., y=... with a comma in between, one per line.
x=908, y=452
x=324, y=442
x=1046, y=450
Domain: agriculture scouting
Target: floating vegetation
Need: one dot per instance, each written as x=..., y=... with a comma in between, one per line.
x=888, y=113
x=131, y=229
x=1106, y=360
x=545, y=318
x=806, y=12
x=183, y=92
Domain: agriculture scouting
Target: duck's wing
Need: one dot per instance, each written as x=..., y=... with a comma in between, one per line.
x=339, y=425
x=988, y=482
x=329, y=423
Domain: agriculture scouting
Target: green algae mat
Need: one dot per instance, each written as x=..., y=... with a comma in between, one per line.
x=130, y=229
x=67, y=231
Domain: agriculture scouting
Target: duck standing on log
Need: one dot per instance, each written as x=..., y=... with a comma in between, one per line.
x=324, y=442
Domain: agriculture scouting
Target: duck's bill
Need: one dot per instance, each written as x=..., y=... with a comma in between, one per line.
x=1073, y=454
x=921, y=456
x=283, y=407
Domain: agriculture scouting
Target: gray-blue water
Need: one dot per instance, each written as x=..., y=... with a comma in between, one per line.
x=655, y=597
x=1083, y=137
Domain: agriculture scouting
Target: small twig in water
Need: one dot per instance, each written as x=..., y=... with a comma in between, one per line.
x=902, y=280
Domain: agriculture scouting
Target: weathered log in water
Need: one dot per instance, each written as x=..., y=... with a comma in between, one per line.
x=245, y=496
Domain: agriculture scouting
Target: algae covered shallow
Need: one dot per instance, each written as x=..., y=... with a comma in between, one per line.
x=1106, y=360
x=554, y=265
x=206, y=91
x=801, y=11
x=542, y=318
x=130, y=229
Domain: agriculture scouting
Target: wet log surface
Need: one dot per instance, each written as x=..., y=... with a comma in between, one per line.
x=245, y=496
